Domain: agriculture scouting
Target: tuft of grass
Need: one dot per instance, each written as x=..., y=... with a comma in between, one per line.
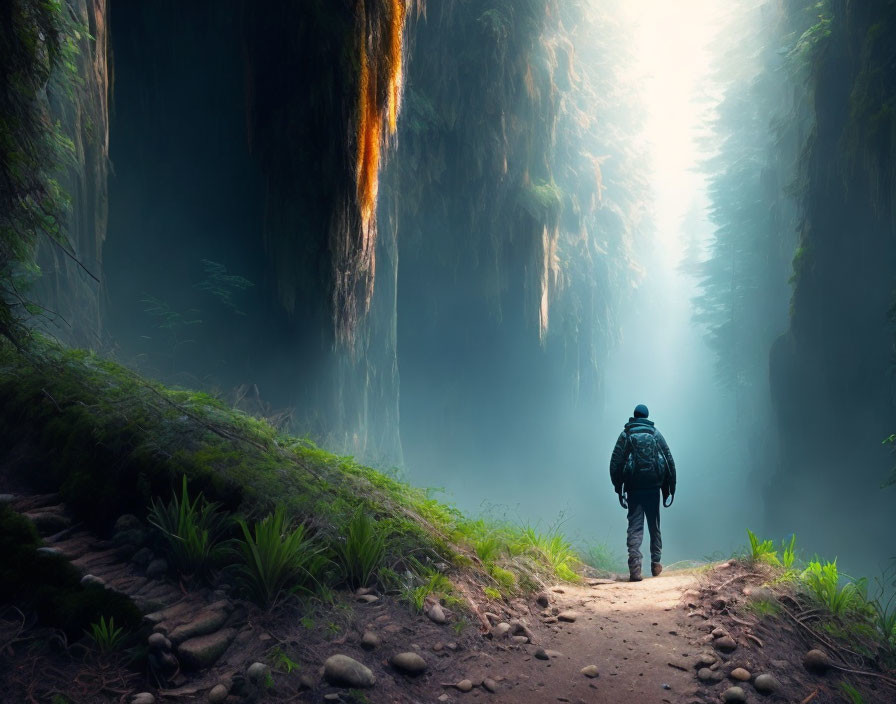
x=823, y=582
x=763, y=607
x=854, y=696
x=788, y=552
x=493, y=593
x=433, y=582
x=275, y=559
x=601, y=557
x=762, y=550
x=193, y=530
x=280, y=660
x=363, y=551
x=105, y=636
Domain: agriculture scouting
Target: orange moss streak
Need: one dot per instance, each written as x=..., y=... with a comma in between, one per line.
x=377, y=54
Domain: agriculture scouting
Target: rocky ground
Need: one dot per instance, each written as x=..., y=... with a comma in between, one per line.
x=681, y=637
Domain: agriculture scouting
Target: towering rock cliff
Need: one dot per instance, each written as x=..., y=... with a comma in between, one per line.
x=831, y=374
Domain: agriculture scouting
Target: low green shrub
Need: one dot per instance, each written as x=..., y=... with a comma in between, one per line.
x=105, y=636
x=823, y=583
x=362, y=552
x=193, y=530
x=762, y=550
x=274, y=560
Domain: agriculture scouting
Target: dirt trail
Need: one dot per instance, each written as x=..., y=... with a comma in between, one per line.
x=629, y=631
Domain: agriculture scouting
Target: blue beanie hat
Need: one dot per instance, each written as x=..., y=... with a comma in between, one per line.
x=641, y=411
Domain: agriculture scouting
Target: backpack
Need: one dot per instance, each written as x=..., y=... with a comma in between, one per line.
x=646, y=463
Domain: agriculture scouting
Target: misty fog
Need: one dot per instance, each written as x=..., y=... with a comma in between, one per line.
x=510, y=331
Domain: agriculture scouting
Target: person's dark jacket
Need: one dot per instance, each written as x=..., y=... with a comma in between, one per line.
x=622, y=450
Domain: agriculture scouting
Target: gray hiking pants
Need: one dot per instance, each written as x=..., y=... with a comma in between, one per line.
x=644, y=503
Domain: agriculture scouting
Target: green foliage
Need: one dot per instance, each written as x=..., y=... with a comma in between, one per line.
x=362, y=552
x=274, y=559
x=280, y=660
x=823, y=582
x=601, y=557
x=788, y=552
x=492, y=593
x=193, y=530
x=222, y=285
x=105, y=636
x=854, y=696
x=764, y=607
x=37, y=51
x=431, y=582
x=762, y=550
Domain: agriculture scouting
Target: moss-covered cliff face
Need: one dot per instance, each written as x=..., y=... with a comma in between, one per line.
x=53, y=138
x=70, y=286
x=516, y=197
x=831, y=374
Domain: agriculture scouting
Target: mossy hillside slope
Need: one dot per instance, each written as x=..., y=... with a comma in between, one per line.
x=109, y=441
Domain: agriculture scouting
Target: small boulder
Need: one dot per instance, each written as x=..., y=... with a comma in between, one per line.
x=704, y=674
x=49, y=523
x=464, y=685
x=590, y=671
x=541, y=654
x=734, y=695
x=726, y=644
x=341, y=670
x=706, y=659
x=490, y=685
x=766, y=684
x=501, y=630
x=519, y=640
x=370, y=640
x=157, y=568
x=437, y=614
x=205, y=622
x=568, y=616
x=367, y=598
x=218, y=694
x=817, y=661
x=740, y=674
x=204, y=651
x=158, y=642
x=7, y=499
x=543, y=600
x=409, y=663
x=719, y=632
x=143, y=698
x=142, y=557
x=257, y=673
x=719, y=603
x=49, y=551
x=89, y=579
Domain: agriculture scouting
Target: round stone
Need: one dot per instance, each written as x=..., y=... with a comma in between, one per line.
x=464, y=685
x=590, y=671
x=258, y=672
x=409, y=663
x=158, y=641
x=766, y=684
x=341, y=670
x=489, y=684
x=817, y=661
x=740, y=674
x=370, y=640
x=218, y=694
x=726, y=644
x=734, y=695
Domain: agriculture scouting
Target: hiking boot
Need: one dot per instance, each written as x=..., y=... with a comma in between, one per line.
x=655, y=569
x=634, y=573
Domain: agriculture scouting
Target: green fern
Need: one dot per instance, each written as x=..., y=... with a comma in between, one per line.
x=823, y=582
x=193, y=530
x=362, y=553
x=788, y=552
x=855, y=697
x=762, y=550
x=105, y=636
x=275, y=560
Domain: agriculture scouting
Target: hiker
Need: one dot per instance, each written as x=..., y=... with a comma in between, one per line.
x=641, y=468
